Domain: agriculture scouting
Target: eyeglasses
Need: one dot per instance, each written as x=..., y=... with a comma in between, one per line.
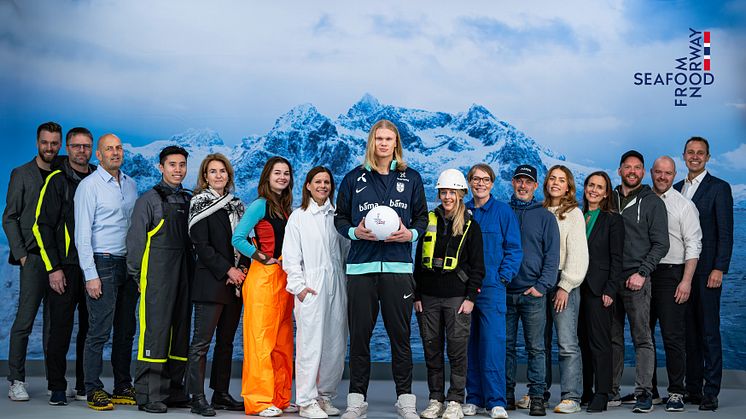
x=80, y=146
x=477, y=180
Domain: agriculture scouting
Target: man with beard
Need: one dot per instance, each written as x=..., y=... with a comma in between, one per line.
x=103, y=208
x=704, y=350
x=55, y=223
x=672, y=279
x=646, y=242
x=18, y=220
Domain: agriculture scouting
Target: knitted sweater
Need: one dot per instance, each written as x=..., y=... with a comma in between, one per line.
x=573, y=249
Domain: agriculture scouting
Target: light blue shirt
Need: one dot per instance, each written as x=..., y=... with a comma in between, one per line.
x=103, y=208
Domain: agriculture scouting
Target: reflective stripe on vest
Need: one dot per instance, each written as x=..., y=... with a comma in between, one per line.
x=143, y=289
x=428, y=244
x=37, y=234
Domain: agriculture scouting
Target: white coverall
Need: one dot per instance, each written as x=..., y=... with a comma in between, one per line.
x=313, y=256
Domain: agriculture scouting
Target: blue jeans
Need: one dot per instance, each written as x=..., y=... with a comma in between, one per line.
x=570, y=362
x=532, y=313
x=114, y=309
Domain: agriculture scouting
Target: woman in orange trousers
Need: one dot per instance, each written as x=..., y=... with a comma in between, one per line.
x=268, y=309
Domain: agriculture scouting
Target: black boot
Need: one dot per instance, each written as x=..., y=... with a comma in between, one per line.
x=153, y=407
x=222, y=400
x=536, y=408
x=200, y=405
x=598, y=404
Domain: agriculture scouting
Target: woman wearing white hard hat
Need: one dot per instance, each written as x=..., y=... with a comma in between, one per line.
x=313, y=256
x=379, y=273
x=449, y=268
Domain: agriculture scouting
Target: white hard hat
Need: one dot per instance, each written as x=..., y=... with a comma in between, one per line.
x=451, y=179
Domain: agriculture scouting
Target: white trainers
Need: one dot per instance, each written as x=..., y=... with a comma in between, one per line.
x=357, y=407
x=292, y=408
x=523, y=403
x=327, y=406
x=17, y=391
x=470, y=409
x=433, y=410
x=406, y=406
x=498, y=412
x=567, y=406
x=271, y=412
x=453, y=411
x=313, y=411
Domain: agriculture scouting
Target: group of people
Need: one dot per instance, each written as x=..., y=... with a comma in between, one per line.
x=195, y=259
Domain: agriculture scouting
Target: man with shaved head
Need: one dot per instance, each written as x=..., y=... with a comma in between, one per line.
x=103, y=207
x=671, y=280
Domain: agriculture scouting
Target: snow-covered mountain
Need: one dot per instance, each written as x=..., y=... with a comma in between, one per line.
x=432, y=141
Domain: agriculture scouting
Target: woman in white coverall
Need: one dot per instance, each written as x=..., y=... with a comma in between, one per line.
x=314, y=255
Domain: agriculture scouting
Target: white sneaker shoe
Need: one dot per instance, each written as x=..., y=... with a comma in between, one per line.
x=17, y=391
x=313, y=411
x=357, y=407
x=327, y=406
x=271, y=412
x=406, y=406
x=523, y=403
x=498, y=412
x=433, y=410
x=453, y=411
x=470, y=409
x=567, y=406
x=70, y=393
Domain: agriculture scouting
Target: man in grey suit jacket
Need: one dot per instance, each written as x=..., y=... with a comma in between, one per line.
x=18, y=220
x=714, y=201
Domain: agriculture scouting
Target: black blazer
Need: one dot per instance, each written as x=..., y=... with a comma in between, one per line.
x=20, y=210
x=211, y=237
x=714, y=202
x=605, y=251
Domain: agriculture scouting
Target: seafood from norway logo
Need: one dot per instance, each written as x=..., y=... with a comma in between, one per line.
x=690, y=74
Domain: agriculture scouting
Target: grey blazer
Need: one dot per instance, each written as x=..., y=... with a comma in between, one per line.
x=20, y=210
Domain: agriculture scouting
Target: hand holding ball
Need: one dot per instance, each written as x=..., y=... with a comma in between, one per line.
x=382, y=221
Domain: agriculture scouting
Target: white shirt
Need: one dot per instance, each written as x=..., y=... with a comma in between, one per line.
x=684, y=232
x=690, y=187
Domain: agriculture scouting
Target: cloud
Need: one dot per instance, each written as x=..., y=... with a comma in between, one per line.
x=737, y=105
x=735, y=159
x=516, y=40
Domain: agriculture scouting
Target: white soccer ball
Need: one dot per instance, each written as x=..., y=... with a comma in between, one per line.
x=382, y=221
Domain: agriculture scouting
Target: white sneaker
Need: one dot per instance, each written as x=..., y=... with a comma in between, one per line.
x=292, y=408
x=523, y=403
x=271, y=412
x=498, y=412
x=327, y=406
x=433, y=410
x=70, y=393
x=313, y=411
x=453, y=411
x=357, y=407
x=567, y=406
x=470, y=409
x=17, y=391
x=406, y=406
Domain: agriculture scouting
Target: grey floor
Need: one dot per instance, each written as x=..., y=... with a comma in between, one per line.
x=381, y=399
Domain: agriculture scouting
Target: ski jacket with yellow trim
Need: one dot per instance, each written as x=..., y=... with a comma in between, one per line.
x=54, y=227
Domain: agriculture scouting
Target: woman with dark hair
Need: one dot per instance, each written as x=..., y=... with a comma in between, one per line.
x=563, y=302
x=313, y=258
x=268, y=315
x=448, y=272
x=605, y=235
x=214, y=213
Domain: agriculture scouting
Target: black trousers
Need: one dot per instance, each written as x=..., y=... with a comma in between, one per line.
x=61, y=308
x=395, y=293
x=212, y=319
x=704, y=350
x=663, y=308
x=34, y=282
x=594, y=336
x=440, y=322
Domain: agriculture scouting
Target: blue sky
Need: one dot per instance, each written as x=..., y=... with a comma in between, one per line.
x=562, y=72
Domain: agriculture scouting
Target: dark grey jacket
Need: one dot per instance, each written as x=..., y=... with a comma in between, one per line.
x=645, y=231
x=20, y=210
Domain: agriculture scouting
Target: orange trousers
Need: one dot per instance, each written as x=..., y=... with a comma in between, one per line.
x=267, y=339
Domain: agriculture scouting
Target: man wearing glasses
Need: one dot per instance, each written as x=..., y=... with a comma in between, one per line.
x=485, y=380
x=55, y=224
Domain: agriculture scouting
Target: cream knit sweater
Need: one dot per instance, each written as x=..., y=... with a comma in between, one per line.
x=573, y=248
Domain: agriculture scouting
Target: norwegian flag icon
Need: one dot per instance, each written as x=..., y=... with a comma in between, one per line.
x=707, y=51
